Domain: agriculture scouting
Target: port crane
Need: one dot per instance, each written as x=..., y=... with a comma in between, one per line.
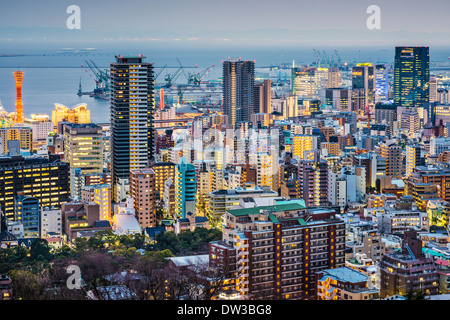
x=102, y=77
x=171, y=78
x=196, y=77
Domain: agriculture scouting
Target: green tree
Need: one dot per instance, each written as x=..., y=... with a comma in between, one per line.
x=40, y=250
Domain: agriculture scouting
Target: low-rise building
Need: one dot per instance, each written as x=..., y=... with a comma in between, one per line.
x=344, y=284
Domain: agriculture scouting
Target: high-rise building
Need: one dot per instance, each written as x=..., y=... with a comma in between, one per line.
x=262, y=97
x=313, y=178
x=303, y=82
x=143, y=191
x=363, y=85
x=19, y=116
x=238, y=90
x=410, y=121
x=381, y=82
x=412, y=158
x=411, y=76
x=392, y=152
x=132, y=107
x=185, y=188
x=83, y=147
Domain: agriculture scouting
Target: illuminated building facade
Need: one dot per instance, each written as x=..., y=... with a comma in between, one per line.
x=344, y=284
x=77, y=114
x=303, y=82
x=38, y=177
x=101, y=195
x=163, y=172
x=304, y=143
x=412, y=158
x=411, y=76
x=274, y=252
x=143, y=191
x=22, y=134
x=381, y=82
x=132, y=108
x=408, y=270
x=83, y=147
x=27, y=211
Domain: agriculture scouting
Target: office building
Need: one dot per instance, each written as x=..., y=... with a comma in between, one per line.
x=44, y=178
x=27, y=211
x=411, y=76
x=238, y=90
x=303, y=82
x=185, y=188
x=338, y=98
x=410, y=121
x=83, y=147
x=132, y=107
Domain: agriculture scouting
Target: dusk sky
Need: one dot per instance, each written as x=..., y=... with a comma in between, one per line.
x=219, y=22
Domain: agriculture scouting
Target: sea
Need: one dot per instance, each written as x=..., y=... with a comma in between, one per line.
x=52, y=75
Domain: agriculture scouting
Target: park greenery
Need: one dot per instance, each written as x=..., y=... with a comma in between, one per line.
x=40, y=271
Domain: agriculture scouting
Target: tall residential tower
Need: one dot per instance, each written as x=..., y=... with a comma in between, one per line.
x=132, y=107
x=238, y=90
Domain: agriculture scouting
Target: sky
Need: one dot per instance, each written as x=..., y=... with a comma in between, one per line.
x=216, y=23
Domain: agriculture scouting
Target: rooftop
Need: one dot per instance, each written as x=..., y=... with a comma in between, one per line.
x=275, y=208
x=345, y=274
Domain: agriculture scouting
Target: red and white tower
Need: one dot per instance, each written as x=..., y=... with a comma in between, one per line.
x=19, y=117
